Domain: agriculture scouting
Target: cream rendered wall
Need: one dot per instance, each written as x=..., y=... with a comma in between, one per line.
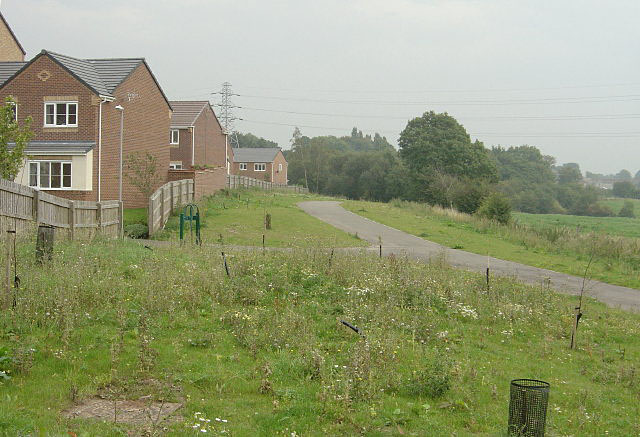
x=81, y=170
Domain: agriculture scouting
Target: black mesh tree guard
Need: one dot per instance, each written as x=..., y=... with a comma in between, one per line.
x=528, y=407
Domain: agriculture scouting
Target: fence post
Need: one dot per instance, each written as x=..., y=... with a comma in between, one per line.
x=99, y=216
x=72, y=219
x=35, y=206
x=150, y=215
x=162, y=204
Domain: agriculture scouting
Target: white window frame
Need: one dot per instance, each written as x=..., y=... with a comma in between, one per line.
x=175, y=166
x=279, y=167
x=49, y=188
x=177, y=132
x=55, y=114
x=242, y=166
x=262, y=166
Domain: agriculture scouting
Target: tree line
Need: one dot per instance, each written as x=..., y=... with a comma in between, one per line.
x=438, y=163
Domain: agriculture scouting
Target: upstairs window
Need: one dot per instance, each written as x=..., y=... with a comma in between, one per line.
x=50, y=175
x=279, y=168
x=61, y=114
x=175, y=136
x=260, y=166
x=243, y=166
x=175, y=166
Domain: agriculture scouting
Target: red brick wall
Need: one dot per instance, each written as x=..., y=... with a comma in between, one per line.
x=182, y=151
x=177, y=175
x=249, y=172
x=280, y=177
x=209, y=181
x=210, y=141
x=147, y=117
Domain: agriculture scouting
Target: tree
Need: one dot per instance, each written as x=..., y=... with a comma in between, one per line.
x=525, y=163
x=437, y=142
x=627, y=210
x=13, y=140
x=625, y=189
x=624, y=175
x=569, y=173
x=249, y=140
x=496, y=207
x=141, y=171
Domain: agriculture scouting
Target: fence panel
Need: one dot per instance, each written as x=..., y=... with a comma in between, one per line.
x=167, y=199
x=22, y=208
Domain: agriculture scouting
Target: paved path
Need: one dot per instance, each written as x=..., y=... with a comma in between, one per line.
x=398, y=242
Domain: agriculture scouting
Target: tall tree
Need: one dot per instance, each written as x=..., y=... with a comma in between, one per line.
x=252, y=141
x=437, y=142
x=13, y=140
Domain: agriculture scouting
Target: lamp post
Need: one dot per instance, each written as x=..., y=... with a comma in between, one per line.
x=121, y=109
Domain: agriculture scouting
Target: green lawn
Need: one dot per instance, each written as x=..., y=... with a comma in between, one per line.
x=236, y=217
x=264, y=350
x=622, y=226
x=506, y=243
x=135, y=215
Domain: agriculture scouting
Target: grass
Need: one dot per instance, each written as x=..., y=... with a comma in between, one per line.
x=236, y=217
x=563, y=249
x=620, y=226
x=616, y=203
x=265, y=349
x=134, y=216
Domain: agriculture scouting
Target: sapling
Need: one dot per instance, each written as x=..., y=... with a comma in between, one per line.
x=578, y=309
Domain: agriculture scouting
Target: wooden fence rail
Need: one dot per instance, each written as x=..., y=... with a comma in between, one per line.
x=22, y=207
x=167, y=199
x=236, y=181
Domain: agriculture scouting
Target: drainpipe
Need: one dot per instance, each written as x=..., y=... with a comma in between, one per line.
x=226, y=152
x=272, y=164
x=100, y=149
x=193, y=146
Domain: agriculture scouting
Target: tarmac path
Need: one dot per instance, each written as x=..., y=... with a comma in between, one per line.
x=398, y=242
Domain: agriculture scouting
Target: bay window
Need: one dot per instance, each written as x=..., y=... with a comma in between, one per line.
x=50, y=175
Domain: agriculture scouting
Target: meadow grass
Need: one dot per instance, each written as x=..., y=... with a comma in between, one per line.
x=264, y=349
x=567, y=249
x=134, y=216
x=236, y=217
x=619, y=226
x=616, y=204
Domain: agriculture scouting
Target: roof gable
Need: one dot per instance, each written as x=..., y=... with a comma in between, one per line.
x=255, y=154
x=12, y=34
x=185, y=113
x=114, y=71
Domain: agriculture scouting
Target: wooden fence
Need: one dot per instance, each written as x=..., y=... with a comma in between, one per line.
x=22, y=208
x=235, y=181
x=166, y=199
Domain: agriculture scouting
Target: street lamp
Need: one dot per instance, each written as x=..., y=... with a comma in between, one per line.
x=121, y=109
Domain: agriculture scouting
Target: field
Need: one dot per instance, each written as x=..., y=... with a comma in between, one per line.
x=615, y=203
x=567, y=249
x=620, y=226
x=237, y=218
x=263, y=352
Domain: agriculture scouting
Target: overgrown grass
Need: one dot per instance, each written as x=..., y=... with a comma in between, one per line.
x=236, y=217
x=560, y=248
x=265, y=349
x=615, y=226
x=616, y=204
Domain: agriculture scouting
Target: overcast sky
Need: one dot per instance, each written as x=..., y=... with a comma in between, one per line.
x=561, y=75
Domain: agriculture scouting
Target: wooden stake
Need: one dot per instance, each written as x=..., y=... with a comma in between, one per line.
x=487, y=272
x=7, y=263
x=226, y=267
x=574, y=330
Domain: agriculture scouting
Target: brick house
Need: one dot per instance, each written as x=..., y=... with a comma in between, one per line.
x=196, y=137
x=267, y=164
x=10, y=48
x=76, y=107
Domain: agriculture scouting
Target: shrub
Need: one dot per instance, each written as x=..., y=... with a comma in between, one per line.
x=627, y=210
x=433, y=381
x=496, y=207
x=137, y=230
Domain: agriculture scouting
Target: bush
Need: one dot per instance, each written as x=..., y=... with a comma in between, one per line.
x=432, y=381
x=137, y=230
x=627, y=210
x=468, y=195
x=496, y=207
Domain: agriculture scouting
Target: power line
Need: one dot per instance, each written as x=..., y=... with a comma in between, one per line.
x=539, y=101
x=498, y=117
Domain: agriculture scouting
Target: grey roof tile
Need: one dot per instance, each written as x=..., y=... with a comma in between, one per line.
x=8, y=69
x=249, y=154
x=185, y=113
x=84, y=70
x=70, y=147
x=114, y=71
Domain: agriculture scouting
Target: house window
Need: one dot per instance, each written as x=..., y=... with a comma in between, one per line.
x=14, y=109
x=175, y=166
x=50, y=175
x=260, y=166
x=279, y=168
x=243, y=166
x=61, y=114
x=175, y=136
